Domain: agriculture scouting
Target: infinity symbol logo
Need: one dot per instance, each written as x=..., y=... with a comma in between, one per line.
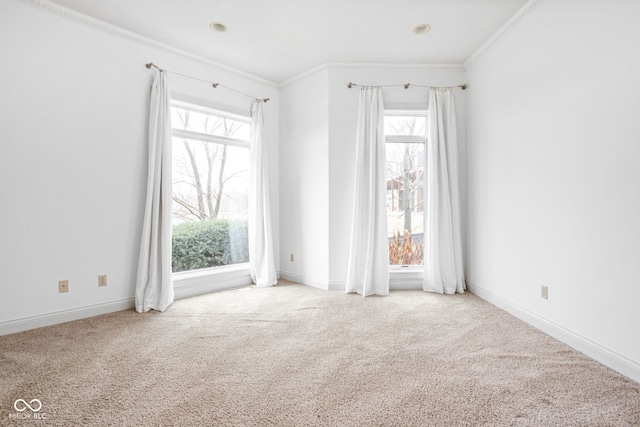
x=26, y=405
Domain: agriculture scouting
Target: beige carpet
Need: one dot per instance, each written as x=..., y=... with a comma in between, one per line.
x=294, y=356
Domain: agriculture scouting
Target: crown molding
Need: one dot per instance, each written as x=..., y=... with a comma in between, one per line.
x=114, y=30
x=504, y=29
x=304, y=74
x=394, y=66
x=371, y=66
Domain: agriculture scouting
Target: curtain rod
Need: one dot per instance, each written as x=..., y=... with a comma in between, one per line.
x=406, y=86
x=215, y=85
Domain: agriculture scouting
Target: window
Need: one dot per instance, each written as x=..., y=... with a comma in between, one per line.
x=210, y=187
x=405, y=140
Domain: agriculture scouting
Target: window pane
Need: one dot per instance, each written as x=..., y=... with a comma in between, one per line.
x=210, y=204
x=405, y=207
x=209, y=124
x=405, y=125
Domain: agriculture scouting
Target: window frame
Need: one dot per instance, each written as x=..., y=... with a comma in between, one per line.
x=404, y=274
x=195, y=282
x=216, y=139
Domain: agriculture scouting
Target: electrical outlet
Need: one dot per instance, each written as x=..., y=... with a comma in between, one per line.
x=291, y=257
x=102, y=280
x=544, y=292
x=63, y=286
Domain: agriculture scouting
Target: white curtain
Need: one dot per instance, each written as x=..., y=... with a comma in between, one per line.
x=154, y=286
x=443, y=243
x=261, y=256
x=368, y=265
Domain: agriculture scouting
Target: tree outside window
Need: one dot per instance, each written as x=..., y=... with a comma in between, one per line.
x=210, y=188
x=405, y=136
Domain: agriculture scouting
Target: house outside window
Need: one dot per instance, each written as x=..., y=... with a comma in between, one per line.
x=210, y=168
x=405, y=142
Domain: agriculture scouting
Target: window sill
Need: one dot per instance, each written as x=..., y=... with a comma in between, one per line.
x=197, y=282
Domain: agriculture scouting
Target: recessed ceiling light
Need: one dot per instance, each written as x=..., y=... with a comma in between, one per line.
x=421, y=29
x=217, y=26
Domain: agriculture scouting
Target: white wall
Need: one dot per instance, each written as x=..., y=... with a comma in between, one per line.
x=317, y=148
x=304, y=179
x=74, y=157
x=553, y=174
x=343, y=109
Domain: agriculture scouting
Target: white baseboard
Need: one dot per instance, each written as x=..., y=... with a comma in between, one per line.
x=403, y=279
x=399, y=281
x=314, y=283
x=337, y=286
x=62, y=316
x=604, y=355
x=305, y=280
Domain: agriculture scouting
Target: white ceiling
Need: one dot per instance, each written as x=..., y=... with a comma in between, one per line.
x=279, y=39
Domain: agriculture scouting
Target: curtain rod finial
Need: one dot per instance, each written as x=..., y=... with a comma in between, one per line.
x=215, y=85
x=265, y=100
x=406, y=86
x=151, y=64
x=350, y=85
x=464, y=86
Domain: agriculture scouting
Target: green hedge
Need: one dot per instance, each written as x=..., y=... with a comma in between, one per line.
x=209, y=243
